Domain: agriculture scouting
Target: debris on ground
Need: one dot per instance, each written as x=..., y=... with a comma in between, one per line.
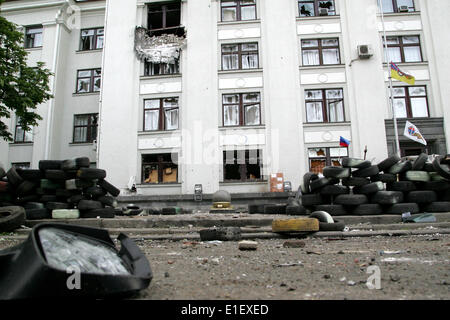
x=248, y=245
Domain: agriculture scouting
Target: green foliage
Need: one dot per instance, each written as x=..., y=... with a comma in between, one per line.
x=22, y=88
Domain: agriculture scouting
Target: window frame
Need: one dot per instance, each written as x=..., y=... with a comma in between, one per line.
x=316, y=8
x=147, y=68
x=26, y=38
x=160, y=162
x=407, y=98
x=243, y=170
x=96, y=35
x=396, y=7
x=328, y=158
x=238, y=7
x=402, y=45
x=324, y=101
x=242, y=107
x=163, y=10
x=320, y=48
x=162, y=114
x=23, y=133
x=89, y=127
x=240, y=54
x=91, y=78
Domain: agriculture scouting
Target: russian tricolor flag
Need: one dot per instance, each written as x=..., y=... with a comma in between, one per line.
x=344, y=142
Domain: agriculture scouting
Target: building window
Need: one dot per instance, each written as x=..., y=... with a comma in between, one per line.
x=33, y=37
x=240, y=56
x=403, y=49
x=92, y=39
x=89, y=80
x=318, y=52
x=411, y=102
x=320, y=158
x=161, y=114
x=242, y=165
x=314, y=8
x=21, y=165
x=238, y=10
x=85, y=128
x=397, y=6
x=164, y=18
x=153, y=69
x=160, y=168
x=21, y=135
x=243, y=109
x=325, y=105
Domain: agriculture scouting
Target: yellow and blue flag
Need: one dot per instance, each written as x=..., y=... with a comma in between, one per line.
x=396, y=73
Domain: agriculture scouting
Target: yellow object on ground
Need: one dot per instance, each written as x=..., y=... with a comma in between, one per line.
x=295, y=225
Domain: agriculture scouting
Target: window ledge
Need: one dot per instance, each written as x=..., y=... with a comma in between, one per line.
x=326, y=124
x=167, y=132
x=22, y=144
x=237, y=183
x=33, y=49
x=422, y=63
x=223, y=128
x=161, y=76
x=240, y=71
x=79, y=144
x=88, y=51
x=399, y=14
x=330, y=66
x=227, y=23
x=86, y=94
x=158, y=185
x=336, y=16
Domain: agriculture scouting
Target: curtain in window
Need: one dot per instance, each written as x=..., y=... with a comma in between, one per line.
x=330, y=56
x=87, y=39
x=249, y=61
x=248, y=13
x=171, y=119
x=231, y=115
x=336, y=111
x=311, y=58
x=100, y=38
x=314, y=111
x=252, y=115
x=393, y=54
x=400, y=108
x=230, y=62
x=388, y=5
x=151, y=120
x=412, y=54
x=419, y=107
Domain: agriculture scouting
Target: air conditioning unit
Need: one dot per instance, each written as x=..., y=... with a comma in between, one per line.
x=403, y=9
x=365, y=51
x=323, y=11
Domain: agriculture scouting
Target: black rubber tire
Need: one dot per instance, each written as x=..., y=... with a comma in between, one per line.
x=89, y=205
x=48, y=198
x=307, y=179
x=91, y=173
x=25, y=188
x=51, y=184
x=30, y=198
x=403, y=186
x=351, y=199
x=332, y=209
x=444, y=195
x=11, y=218
x=312, y=199
x=421, y=197
x=76, y=198
x=30, y=174
x=434, y=176
x=2, y=172
x=401, y=208
x=366, y=172
x=428, y=167
x=386, y=164
x=419, y=163
x=436, y=185
x=322, y=216
x=437, y=207
x=355, y=182
x=50, y=165
x=103, y=213
x=55, y=175
x=384, y=177
x=371, y=188
x=369, y=209
x=256, y=208
x=440, y=168
x=83, y=162
x=336, y=226
x=417, y=176
x=95, y=192
x=108, y=201
x=33, y=205
x=4, y=187
x=69, y=164
x=275, y=209
x=38, y=214
x=336, y=172
x=65, y=194
x=57, y=205
x=295, y=210
x=13, y=177
x=355, y=163
x=387, y=197
x=74, y=184
x=322, y=182
x=151, y=212
x=112, y=190
x=401, y=167
x=334, y=190
x=171, y=211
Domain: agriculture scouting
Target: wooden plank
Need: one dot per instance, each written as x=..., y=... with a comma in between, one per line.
x=295, y=225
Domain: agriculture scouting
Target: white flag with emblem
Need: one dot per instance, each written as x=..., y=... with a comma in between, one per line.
x=413, y=133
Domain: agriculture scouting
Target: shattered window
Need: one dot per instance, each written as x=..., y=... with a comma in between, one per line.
x=411, y=102
x=88, y=80
x=21, y=135
x=161, y=114
x=237, y=10
x=241, y=109
x=33, y=37
x=242, y=165
x=391, y=6
x=160, y=168
x=85, y=128
x=403, y=49
x=317, y=52
x=153, y=69
x=240, y=56
x=320, y=158
x=326, y=105
x=164, y=18
x=91, y=39
x=312, y=8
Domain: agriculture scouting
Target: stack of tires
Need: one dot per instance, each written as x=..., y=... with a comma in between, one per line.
x=58, y=189
x=394, y=186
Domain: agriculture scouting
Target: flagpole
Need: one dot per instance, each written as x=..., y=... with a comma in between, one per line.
x=391, y=99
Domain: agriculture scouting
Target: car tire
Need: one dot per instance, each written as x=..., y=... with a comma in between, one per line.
x=322, y=216
x=48, y=198
x=419, y=163
x=401, y=208
x=332, y=209
x=369, y=209
x=384, y=177
x=371, y=188
x=336, y=226
x=95, y=192
x=386, y=164
x=30, y=174
x=57, y=205
x=355, y=182
x=307, y=179
x=13, y=177
x=417, y=176
x=336, y=172
x=312, y=199
x=366, y=172
x=255, y=208
x=109, y=187
x=439, y=186
x=91, y=173
x=89, y=205
x=2, y=172
x=334, y=190
x=108, y=201
x=104, y=213
x=38, y=214
x=55, y=175
x=403, y=186
x=438, y=206
x=387, y=197
x=295, y=210
x=275, y=209
x=322, y=182
x=422, y=197
x=45, y=165
x=25, y=188
x=171, y=211
x=351, y=199
x=11, y=218
x=355, y=163
x=443, y=171
x=400, y=167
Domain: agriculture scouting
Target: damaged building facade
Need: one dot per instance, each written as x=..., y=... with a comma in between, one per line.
x=170, y=94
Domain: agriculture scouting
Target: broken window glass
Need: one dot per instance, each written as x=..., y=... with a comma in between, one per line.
x=311, y=8
x=160, y=168
x=171, y=114
x=238, y=10
x=33, y=37
x=241, y=109
x=314, y=112
x=231, y=115
x=85, y=128
x=242, y=165
x=164, y=17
